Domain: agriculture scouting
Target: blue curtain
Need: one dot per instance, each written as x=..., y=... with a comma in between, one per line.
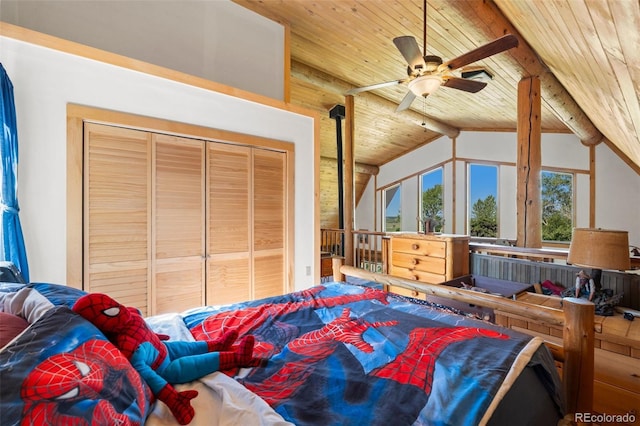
x=12, y=249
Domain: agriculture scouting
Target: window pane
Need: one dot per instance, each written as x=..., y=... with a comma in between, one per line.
x=431, y=202
x=392, y=218
x=483, y=200
x=556, y=192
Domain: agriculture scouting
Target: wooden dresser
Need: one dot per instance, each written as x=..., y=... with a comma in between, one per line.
x=430, y=258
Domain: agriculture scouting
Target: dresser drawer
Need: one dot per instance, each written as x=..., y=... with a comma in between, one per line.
x=419, y=247
x=423, y=276
x=406, y=292
x=435, y=265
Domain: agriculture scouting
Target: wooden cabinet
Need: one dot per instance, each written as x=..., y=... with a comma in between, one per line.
x=430, y=258
x=172, y=223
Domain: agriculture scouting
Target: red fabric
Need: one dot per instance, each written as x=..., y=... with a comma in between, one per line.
x=179, y=403
x=10, y=326
x=552, y=287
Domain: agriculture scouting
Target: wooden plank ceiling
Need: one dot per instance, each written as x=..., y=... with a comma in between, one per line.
x=585, y=53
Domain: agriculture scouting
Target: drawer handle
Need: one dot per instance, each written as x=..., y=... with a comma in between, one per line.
x=414, y=293
x=414, y=261
x=415, y=246
x=415, y=277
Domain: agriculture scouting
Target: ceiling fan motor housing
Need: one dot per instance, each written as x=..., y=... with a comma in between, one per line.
x=432, y=62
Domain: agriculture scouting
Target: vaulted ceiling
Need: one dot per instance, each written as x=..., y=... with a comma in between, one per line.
x=585, y=53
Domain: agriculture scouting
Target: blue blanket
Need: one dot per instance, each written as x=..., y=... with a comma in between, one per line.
x=342, y=354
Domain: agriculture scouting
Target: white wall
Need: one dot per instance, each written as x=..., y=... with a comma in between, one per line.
x=617, y=194
x=365, y=219
x=217, y=40
x=46, y=80
x=617, y=185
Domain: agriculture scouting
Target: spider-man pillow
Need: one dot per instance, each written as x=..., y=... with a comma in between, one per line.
x=62, y=370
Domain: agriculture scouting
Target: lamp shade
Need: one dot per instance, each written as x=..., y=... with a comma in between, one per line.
x=425, y=84
x=599, y=248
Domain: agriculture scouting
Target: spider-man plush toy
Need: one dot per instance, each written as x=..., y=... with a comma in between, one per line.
x=162, y=364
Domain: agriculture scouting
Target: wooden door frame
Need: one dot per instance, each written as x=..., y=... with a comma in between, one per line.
x=77, y=115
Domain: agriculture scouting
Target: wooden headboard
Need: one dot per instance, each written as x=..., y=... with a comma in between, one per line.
x=576, y=318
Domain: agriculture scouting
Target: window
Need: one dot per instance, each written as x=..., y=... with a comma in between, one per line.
x=483, y=200
x=392, y=214
x=556, y=192
x=431, y=199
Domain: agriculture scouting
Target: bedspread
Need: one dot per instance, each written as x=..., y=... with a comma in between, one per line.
x=341, y=354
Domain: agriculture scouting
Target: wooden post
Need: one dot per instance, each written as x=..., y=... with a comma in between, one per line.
x=529, y=162
x=578, y=342
x=336, y=264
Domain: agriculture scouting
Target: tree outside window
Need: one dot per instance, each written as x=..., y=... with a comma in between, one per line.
x=557, y=206
x=483, y=195
x=432, y=204
x=392, y=212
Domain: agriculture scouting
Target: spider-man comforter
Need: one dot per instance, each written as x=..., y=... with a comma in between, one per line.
x=337, y=354
x=341, y=354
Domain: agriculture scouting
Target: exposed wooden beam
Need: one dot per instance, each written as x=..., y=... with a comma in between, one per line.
x=368, y=169
x=329, y=83
x=554, y=94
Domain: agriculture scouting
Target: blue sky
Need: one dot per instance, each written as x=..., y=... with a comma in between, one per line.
x=483, y=181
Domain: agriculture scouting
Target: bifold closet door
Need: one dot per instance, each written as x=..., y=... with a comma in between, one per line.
x=117, y=212
x=269, y=183
x=179, y=223
x=229, y=274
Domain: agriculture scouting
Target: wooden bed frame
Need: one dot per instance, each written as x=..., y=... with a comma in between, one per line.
x=576, y=354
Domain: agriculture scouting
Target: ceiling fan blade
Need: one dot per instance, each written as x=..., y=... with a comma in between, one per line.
x=496, y=46
x=373, y=86
x=464, y=84
x=406, y=101
x=408, y=46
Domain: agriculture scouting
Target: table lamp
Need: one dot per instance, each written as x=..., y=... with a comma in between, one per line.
x=599, y=249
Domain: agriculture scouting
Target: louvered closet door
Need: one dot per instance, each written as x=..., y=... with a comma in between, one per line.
x=117, y=213
x=229, y=237
x=269, y=182
x=179, y=223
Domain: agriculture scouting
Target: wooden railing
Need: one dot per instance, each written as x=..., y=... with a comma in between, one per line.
x=332, y=241
x=539, y=254
x=369, y=248
x=370, y=251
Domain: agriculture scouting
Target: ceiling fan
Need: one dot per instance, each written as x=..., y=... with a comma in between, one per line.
x=426, y=73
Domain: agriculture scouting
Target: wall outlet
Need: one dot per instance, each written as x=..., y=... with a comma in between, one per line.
x=308, y=270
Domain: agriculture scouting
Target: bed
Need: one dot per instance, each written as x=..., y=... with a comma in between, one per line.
x=340, y=353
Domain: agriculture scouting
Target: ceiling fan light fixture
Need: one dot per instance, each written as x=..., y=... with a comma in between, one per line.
x=425, y=84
